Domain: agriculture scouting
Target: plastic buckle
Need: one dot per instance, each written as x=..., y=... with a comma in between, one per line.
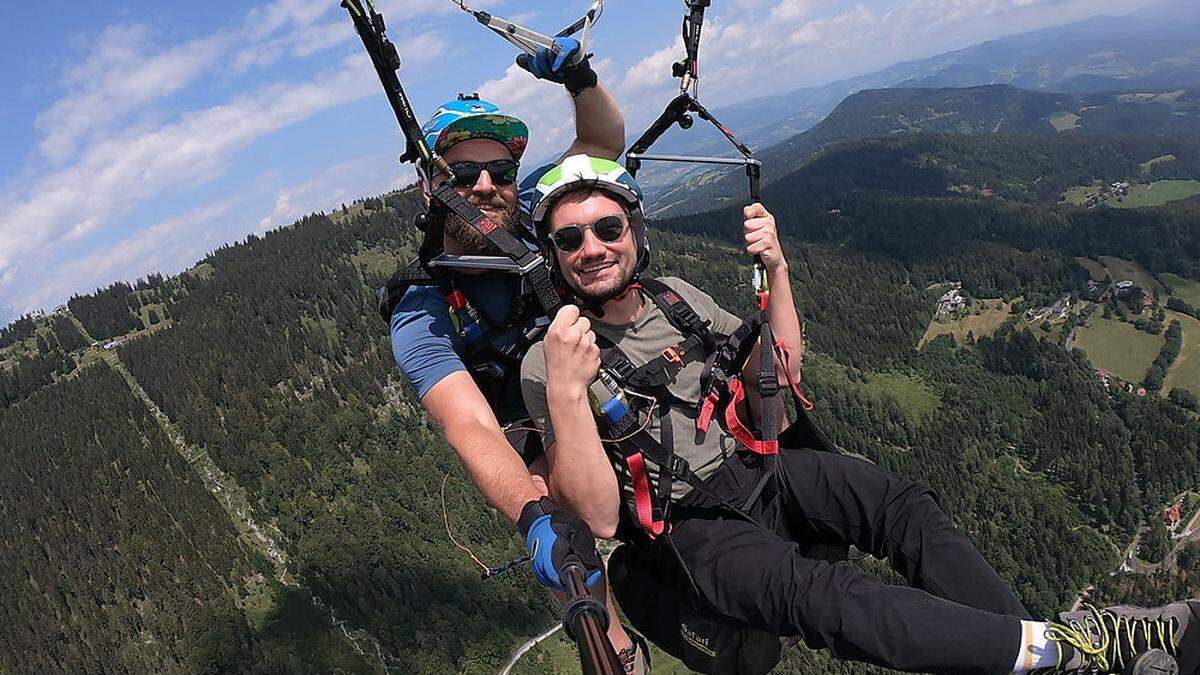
x=621, y=369
x=678, y=466
x=672, y=354
x=768, y=386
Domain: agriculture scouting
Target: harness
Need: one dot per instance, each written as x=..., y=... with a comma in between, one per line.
x=489, y=365
x=444, y=199
x=621, y=386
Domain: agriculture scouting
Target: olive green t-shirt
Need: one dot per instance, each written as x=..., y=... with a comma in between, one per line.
x=642, y=341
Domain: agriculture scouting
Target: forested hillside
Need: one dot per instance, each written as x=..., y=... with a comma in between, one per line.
x=1150, y=50
x=270, y=362
x=116, y=559
x=1019, y=144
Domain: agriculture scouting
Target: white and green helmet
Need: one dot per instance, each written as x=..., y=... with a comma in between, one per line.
x=583, y=172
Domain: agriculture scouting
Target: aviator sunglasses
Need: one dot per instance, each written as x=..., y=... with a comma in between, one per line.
x=502, y=171
x=607, y=229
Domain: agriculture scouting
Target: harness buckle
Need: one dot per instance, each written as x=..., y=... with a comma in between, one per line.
x=672, y=354
x=768, y=385
x=678, y=467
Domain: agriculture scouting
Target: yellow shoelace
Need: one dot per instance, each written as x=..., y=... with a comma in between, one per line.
x=1104, y=646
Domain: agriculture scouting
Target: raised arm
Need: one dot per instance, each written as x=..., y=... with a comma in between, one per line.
x=457, y=406
x=581, y=477
x=599, y=125
x=762, y=239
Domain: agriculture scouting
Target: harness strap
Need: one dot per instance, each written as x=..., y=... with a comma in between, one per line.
x=389, y=295
x=641, y=496
x=739, y=430
x=770, y=409
x=785, y=357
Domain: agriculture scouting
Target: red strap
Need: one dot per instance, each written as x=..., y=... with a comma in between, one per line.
x=628, y=289
x=739, y=431
x=456, y=299
x=707, y=408
x=785, y=356
x=764, y=299
x=641, y=496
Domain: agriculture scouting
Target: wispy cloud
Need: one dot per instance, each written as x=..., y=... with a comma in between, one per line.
x=118, y=78
x=170, y=245
x=116, y=140
x=116, y=174
x=135, y=119
x=771, y=46
x=338, y=184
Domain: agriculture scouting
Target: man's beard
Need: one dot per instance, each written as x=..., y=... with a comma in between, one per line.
x=599, y=295
x=472, y=242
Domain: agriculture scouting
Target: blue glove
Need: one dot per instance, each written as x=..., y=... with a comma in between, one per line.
x=554, y=537
x=552, y=65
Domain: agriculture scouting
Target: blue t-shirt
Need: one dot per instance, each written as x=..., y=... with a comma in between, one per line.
x=427, y=348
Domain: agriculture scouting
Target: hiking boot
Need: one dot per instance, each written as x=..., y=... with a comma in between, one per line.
x=1123, y=639
x=1153, y=662
x=635, y=659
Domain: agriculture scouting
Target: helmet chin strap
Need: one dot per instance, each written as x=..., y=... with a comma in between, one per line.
x=596, y=305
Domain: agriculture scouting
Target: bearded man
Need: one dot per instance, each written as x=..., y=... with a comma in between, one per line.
x=461, y=350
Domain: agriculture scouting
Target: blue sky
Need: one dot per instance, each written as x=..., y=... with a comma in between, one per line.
x=138, y=136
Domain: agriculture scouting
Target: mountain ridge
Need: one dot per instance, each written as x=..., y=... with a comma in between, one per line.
x=1155, y=45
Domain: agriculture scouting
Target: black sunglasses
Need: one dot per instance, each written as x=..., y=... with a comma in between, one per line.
x=502, y=171
x=607, y=229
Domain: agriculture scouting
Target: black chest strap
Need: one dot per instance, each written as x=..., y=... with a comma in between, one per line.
x=389, y=295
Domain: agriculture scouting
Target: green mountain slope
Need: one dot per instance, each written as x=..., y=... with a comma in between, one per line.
x=275, y=367
x=987, y=110
x=1152, y=49
x=117, y=559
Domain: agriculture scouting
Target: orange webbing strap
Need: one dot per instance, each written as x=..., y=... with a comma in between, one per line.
x=641, y=496
x=739, y=430
x=785, y=356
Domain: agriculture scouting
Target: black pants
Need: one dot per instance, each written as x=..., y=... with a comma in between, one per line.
x=958, y=616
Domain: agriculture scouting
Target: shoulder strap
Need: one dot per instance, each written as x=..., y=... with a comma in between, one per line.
x=678, y=311
x=389, y=295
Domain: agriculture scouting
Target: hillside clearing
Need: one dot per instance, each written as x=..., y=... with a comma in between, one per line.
x=1077, y=196
x=1185, y=372
x=910, y=393
x=1156, y=194
x=1095, y=269
x=1185, y=289
x=1161, y=159
x=1119, y=347
x=1064, y=121
x=991, y=313
x=1120, y=269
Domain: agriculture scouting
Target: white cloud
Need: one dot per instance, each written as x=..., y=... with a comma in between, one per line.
x=338, y=184
x=303, y=40
x=168, y=246
x=765, y=47
x=114, y=143
x=115, y=175
x=543, y=106
x=793, y=10
x=118, y=78
x=267, y=19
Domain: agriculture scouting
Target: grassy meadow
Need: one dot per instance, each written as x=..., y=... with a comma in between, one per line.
x=1119, y=347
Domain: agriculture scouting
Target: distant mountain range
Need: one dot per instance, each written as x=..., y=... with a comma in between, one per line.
x=1153, y=49
x=988, y=109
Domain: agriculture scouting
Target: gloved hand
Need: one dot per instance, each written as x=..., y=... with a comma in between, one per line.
x=552, y=537
x=552, y=65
